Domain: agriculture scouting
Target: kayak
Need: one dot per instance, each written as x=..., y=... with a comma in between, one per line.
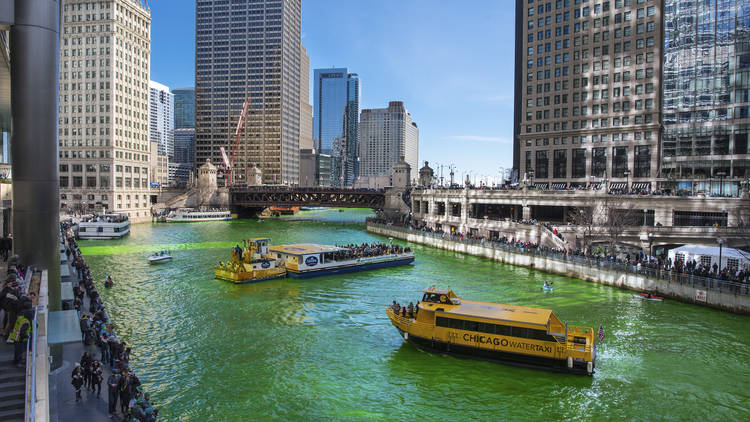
x=652, y=298
x=547, y=289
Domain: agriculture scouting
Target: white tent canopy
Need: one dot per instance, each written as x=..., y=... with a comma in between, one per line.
x=709, y=255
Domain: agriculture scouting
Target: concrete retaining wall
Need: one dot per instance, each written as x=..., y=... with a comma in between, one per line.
x=674, y=290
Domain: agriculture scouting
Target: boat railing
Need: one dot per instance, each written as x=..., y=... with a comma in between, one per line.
x=406, y=320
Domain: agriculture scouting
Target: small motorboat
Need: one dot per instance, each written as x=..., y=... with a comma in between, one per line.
x=649, y=296
x=547, y=288
x=159, y=257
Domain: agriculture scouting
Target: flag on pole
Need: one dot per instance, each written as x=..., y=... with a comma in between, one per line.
x=601, y=333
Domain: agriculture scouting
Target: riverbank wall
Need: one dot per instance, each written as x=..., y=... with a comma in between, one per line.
x=702, y=296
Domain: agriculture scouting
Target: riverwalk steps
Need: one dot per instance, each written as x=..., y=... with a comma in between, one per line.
x=724, y=299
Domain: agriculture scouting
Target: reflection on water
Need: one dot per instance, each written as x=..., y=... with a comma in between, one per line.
x=323, y=349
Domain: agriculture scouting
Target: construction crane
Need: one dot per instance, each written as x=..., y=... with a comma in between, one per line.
x=229, y=161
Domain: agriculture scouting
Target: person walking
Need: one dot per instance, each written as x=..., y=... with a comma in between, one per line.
x=77, y=380
x=96, y=378
x=112, y=389
x=124, y=390
x=20, y=337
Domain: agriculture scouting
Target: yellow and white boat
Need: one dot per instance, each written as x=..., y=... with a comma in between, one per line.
x=250, y=263
x=512, y=334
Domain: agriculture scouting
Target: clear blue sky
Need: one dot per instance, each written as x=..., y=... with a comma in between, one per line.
x=450, y=62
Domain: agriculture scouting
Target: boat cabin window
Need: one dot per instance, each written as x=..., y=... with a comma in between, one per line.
x=579, y=340
x=436, y=298
x=498, y=329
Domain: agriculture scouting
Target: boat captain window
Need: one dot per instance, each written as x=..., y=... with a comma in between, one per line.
x=436, y=298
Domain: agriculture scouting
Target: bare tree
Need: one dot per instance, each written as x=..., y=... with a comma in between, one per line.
x=585, y=219
x=615, y=216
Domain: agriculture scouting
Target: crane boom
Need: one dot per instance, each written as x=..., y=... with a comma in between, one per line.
x=237, y=132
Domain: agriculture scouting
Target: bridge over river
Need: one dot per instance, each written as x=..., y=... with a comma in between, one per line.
x=264, y=196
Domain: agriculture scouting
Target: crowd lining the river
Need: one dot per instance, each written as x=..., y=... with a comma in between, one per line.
x=603, y=254
x=123, y=385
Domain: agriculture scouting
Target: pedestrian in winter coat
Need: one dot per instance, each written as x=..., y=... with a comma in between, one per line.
x=77, y=380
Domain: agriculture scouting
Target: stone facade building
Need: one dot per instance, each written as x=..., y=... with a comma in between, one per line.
x=105, y=50
x=588, y=89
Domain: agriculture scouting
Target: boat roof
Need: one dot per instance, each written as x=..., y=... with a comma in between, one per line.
x=499, y=311
x=260, y=239
x=438, y=291
x=304, y=248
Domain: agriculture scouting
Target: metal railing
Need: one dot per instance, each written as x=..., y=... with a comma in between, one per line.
x=30, y=390
x=708, y=283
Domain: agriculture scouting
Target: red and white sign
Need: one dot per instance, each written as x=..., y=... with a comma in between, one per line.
x=700, y=295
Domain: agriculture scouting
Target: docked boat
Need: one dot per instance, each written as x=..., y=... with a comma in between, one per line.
x=311, y=260
x=649, y=296
x=159, y=257
x=191, y=215
x=104, y=226
x=516, y=335
x=250, y=263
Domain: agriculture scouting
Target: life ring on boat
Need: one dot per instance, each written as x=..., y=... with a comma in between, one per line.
x=443, y=299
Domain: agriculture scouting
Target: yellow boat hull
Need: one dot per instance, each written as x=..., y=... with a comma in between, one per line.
x=239, y=276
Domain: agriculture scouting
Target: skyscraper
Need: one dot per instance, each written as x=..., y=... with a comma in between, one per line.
x=336, y=121
x=386, y=135
x=184, y=108
x=184, y=136
x=589, y=76
x=104, y=107
x=249, y=49
x=706, y=95
x=161, y=118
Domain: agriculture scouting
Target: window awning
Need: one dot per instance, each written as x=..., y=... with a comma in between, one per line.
x=617, y=186
x=63, y=327
x=66, y=291
x=540, y=185
x=559, y=185
x=595, y=185
x=641, y=186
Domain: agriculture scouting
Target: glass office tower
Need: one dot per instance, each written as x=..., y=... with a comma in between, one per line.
x=249, y=49
x=336, y=122
x=706, y=89
x=184, y=108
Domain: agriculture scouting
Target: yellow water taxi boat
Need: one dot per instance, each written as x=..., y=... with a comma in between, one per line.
x=250, y=263
x=512, y=334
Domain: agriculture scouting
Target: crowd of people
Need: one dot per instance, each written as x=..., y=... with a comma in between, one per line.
x=353, y=251
x=123, y=385
x=408, y=311
x=16, y=303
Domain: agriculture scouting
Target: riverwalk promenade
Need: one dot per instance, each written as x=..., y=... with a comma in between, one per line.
x=703, y=291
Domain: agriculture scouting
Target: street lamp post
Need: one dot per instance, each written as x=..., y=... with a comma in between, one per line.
x=627, y=180
x=721, y=243
x=645, y=212
x=650, y=244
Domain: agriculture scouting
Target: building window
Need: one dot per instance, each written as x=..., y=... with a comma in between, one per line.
x=643, y=161
x=542, y=165
x=599, y=162
x=560, y=164
x=579, y=162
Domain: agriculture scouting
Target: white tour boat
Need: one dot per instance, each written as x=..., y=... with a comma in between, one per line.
x=159, y=257
x=103, y=226
x=191, y=215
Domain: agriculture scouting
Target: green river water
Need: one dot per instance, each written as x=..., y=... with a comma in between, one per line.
x=323, y=348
